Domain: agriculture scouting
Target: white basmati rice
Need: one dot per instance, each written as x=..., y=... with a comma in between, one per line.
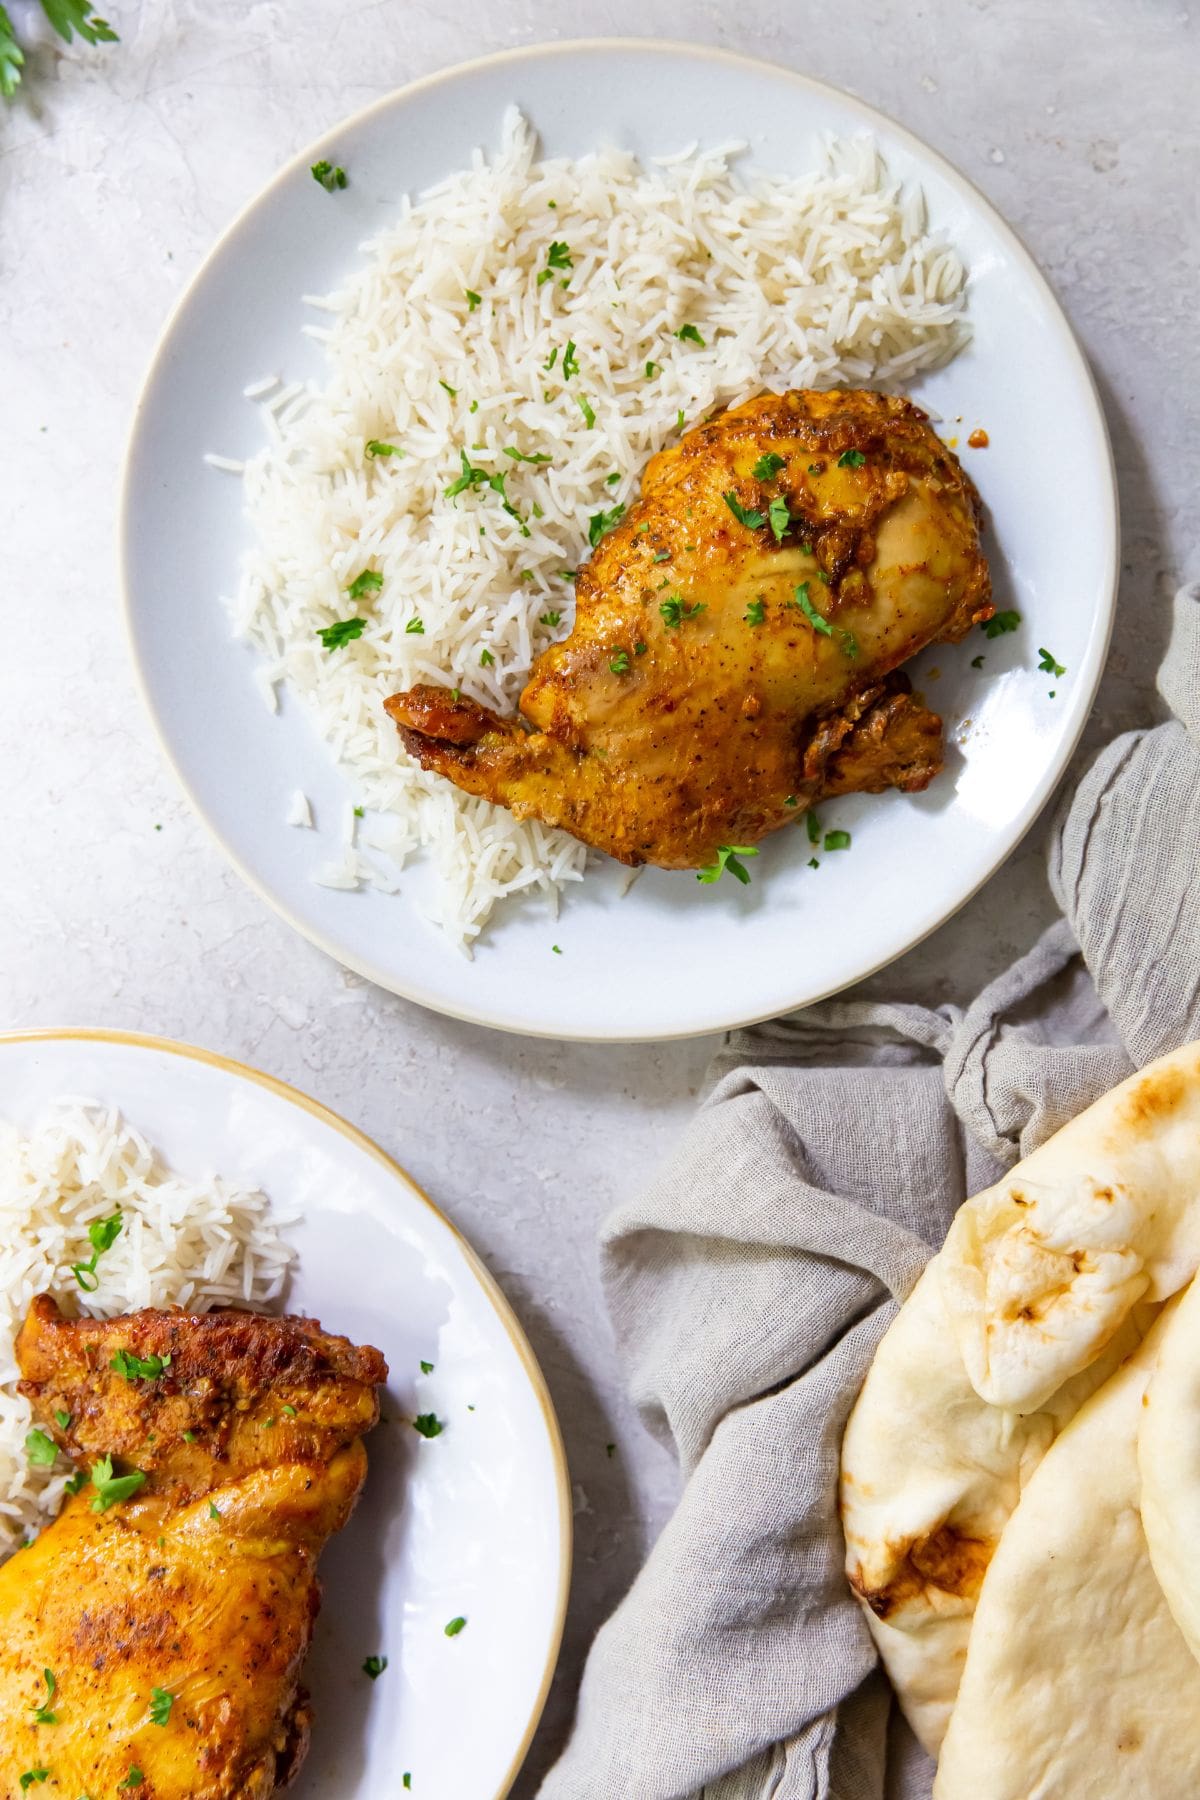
x=183, y=1242
x=830, y=278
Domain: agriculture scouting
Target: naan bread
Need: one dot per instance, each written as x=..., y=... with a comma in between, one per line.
x=1078, y=1682
x=1169, y=1459
x=1039, y=1271
x=930, y=1476
x=1034, y=1299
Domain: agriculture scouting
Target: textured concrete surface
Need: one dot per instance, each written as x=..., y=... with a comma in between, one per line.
x=117, y=170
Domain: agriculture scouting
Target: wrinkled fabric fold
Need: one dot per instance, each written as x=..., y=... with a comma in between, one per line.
x=749, y=1286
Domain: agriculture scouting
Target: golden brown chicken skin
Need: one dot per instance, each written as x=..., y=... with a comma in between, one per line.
x=174, y=1621
x=732, y=664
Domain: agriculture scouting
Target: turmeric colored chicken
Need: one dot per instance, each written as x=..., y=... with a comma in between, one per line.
x=738, y=637
x=151, y=1638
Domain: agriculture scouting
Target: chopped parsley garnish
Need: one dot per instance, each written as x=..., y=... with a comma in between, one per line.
x=376, y=447
x=289, y=1411
x=570, y=361
x=473, y=299
x=1001, y=622
x=374, y=1666
x=369, y=582
x=557, y=952
x=756, y=612
x=813, y=863
x=63, y=1421
x=675, y=613
x=586, y=408
x=486, y=659
x=455, y=1626
x=610, y=1450
x=471, y=477
x=791, y=800
x=727, y=858
x=688, y=334
x=112, y=1489
x=551, y=359
x=426, y=1368
x=767, y=467
x=414, y=628
x=813, y=826
x=851, y=459
x=344, y=631
x=330, y=175
x=601, y=523
x=42, y=1715
x=428, y=1425
x=41, y=1450
x=214, y=1511
x=189, y=1437
x=751, y=520
x=139, y=1368
x=810, y=612
x=662, y=556
x=539, y=456
x=848, y=641
x=837, y=840
x=612, y=480
x=778, y=516
x=652, y=369
x=161, y=1703
x=639, y=649
x=557, y=257
x=76, y=1481
x=977, y=662
x=619, y=664
x=679, y=420
x=102, y=1235
x=406, y=1778
x=134, y=1779
x=1048, y=664
x=550, y=618
x=31, y=1775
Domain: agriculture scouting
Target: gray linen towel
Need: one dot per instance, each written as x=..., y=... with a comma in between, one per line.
x=749, y=1287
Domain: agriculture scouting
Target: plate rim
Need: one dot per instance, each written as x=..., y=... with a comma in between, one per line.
x=501, y=1305
x=1107, y=499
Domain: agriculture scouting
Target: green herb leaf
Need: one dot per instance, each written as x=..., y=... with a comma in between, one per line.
x=679, y=420
x=470, y=478
x=344, y=631
x=330, y=176
x=486, y=659
x=1001, y=622
x=557, y=257
x=455, y=1626
x=453, y=392
x=585, y=407
x=161, y=1702
x=779, y=518
x=214, y=1511
x=369, y=582
x=570, y=364
x=1047, y=662
x=675, y=613
x=112, y=1489
x=414, y=628
x=977, y=662
x=767, y=467
x=41, y=1450
x=473, y=299
x=727, y=858
x=42, y=1715
x=619, y=664
x=428, y=1425
x=652, y=369
x=76, y=1481
x=374, y=1666
x=601, y=523
x=102, y=1235
x=189, y=1437
x=848, y=642
x=755, y=612
x=810, y=612
x=427, y=1368
x=520, y=456
x=134, y=1779
x=689, y=335
x=751, y=520
x=813, y=863
x=557, y=952
x=551, y=359
x=139, y=1368
x=375, y=447
x=406, y=1778
x=612, y=480
x=31, y=1775
x=837, y=840
x=851, y=459
x=813, y=826
x=551, y=619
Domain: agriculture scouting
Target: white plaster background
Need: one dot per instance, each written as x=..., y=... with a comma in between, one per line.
x=117, y=171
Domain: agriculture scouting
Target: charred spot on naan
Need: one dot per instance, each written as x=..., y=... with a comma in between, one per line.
x=1159, y=1093
x=944, y=1562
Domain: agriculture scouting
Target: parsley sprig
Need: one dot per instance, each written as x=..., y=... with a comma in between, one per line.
x=330, y=176
x=102, y=1235
x=112, y=1489
x=44, y=1715
x=70, y=18
x=139, y=1368
x=727, y=858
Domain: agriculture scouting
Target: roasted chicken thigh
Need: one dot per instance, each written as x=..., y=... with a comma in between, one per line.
x=738, y=637
x=151, y=1638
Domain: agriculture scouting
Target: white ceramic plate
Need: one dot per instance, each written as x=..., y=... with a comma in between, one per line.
x=674, y=957
x=476, y=1522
